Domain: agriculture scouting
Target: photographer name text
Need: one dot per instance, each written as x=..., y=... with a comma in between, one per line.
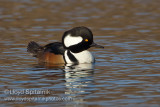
x=26, y=92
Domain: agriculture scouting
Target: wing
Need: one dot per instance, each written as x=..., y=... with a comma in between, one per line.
x=56, y=48
x=37, y=50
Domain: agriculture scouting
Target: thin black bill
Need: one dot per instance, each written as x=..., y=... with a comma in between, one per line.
x=96, y=45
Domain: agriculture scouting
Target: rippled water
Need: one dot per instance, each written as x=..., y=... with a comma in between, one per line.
x=126, y=72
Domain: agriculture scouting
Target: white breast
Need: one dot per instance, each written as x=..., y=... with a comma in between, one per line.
x=82, y=57
x=67, y=58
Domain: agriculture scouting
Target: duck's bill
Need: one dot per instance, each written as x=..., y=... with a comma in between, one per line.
x=96, y=45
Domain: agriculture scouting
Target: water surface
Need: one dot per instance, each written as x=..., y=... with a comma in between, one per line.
x=126, y=72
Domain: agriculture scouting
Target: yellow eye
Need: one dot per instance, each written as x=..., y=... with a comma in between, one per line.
x=86, y=40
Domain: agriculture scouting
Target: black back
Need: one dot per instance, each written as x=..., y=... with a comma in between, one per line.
x=56, y=48
x=37, y=50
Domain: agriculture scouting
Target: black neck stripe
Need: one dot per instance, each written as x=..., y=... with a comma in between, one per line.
x=64, y=58
x=71, y=57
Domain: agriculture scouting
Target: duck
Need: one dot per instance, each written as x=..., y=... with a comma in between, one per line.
x=72, y=50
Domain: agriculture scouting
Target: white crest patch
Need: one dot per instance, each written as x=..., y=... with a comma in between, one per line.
x=70, y=40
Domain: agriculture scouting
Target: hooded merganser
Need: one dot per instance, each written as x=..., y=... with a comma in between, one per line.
x=73, y=48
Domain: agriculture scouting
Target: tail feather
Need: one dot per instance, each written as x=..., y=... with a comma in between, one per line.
x=34, y=48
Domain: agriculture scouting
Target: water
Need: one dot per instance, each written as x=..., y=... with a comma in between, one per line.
x=126, y=72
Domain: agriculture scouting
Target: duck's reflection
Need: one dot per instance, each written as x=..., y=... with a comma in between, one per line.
x=78, y=79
